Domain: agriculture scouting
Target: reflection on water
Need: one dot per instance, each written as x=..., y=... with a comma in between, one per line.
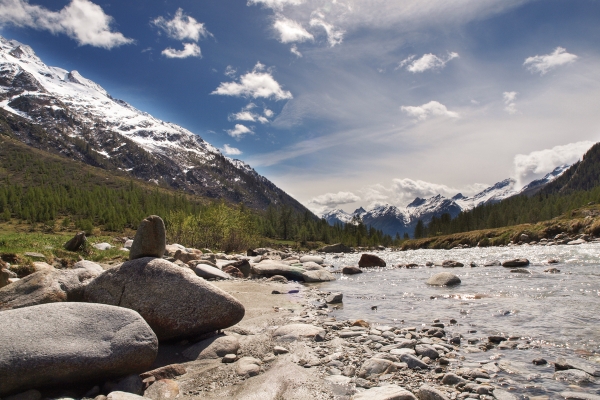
x=559, y=313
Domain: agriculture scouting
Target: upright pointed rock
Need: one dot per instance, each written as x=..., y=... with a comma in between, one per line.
x=150, y=239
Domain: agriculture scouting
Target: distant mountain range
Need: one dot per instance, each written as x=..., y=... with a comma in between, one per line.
x=394, y=220
x=64, y=113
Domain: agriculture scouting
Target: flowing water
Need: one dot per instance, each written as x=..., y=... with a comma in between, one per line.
x=555, y=315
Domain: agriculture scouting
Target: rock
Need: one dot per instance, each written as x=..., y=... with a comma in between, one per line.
x=376, y=366
x=128, y=243
x=166, y=372
x=170, y=249
x=65, y=343
x=336, y=248
x=41, y=266
x=427, y=392
x=575, y=376
x=229, y=358
x=31, y=394
x=162, y=390
x=248, y=366
x=32, y=254
x=370, y=261
x=316, y=259
x=187, y=255
x=102, y=246
x=552, y=270
x=451, y=379
x=90, y=266
x=517, y=262
x=215, y=347
x=388, y=392
x=295, y=332
x=575, y=242
x=278, y=278
x=520, y=271
x=452, y=264
x=334, y=298
x=173, y=300
x=4, y=277
x=123, y=396
x=494, y=263
x=318, y=276
x=539, y=361
x=150, y=239
x=208, y=272
x=131, y=384
x=351, y=270
x=360, y=322
x=311, y=266
x=524, y=238
x=426, y=350
x=49, y=286
x=562, y=364
x=579, y=396
x=76, y=242
x=444, y=279
x=413, y=362
x=233, y=271
x=243, y=266
x=277, y=350
x=500, y=394
x=271, y=268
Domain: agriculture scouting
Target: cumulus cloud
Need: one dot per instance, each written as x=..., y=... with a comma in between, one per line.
x=231, y=151
x=331, y=200
x=81, y=20
x=257, y=83
x=545, y=63
x=247, y=115
x=189, y=50
x=509, y=102
x=239, y=130
x=182, y=27
x=275, y=4
x=294, y=50
x=230, y=71
x=268, y=113
x=431, y=109
x=291, y=31
x=426, y=62
x=334, y=35
x=536, y=164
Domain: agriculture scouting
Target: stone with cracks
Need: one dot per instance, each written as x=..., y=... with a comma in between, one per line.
x=150, y=239
x=370, y=261
x=63, y=343
x=173, y=300
x=444, y=279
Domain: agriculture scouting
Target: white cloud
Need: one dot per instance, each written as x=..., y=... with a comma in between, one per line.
x=334, y=35
x=268, y=113
x=244, y=116
x=426, y=62
x=230, y=71
x=182, y=27
x=291, y=31
x=276, y=4
x=247, y=115
x=254, y=84
x=536, y=164
x=239, y=130
x=433, y=108
x=509, y=102
x=231, y=151
x=334, y=199
x=545, y=63
x=189, y=50
x=294, y=50
x=81, y=20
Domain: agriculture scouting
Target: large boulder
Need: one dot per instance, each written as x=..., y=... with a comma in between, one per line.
x=64, y=343
x=370, y=261
x=173, y=300
x=444, y=279
x=336, y=248
x=271, y=268
x=150, y=239
x=47, y=286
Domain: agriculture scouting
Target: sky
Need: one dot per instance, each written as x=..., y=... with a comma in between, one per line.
x=346, y=103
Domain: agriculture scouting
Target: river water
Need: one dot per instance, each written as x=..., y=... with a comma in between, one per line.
x=555, y=315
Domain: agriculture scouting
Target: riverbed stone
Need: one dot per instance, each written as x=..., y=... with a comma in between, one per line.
x=318, y=276
x=212, y=348
x=370, y=261
x=316, y=259
x=376, y=366
x=150, y=239
x=248, y=366
x=270, y=268
x=572, y=363
x=90, y=266
x=63, y=343
x=351, y=270
x=47, y=286
x=413, y=362
x=388, y=392
x=207, y=272
x=444, y=279
x=517, y=262
x=187, y=255
x=166, y=372
x=427, y=392
x=426, y=350
x=501, y=394
x=173, y=300
x=575, y=376
x=293, y=332
x=579, y=396
x=333, y=298
x=164, y=389
x=452, y=264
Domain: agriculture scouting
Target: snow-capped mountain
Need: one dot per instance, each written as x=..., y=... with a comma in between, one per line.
x=80, y=120
x=393, y=220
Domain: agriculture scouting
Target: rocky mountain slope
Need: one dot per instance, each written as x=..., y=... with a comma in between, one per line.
x=62, y=112
x=391, y=219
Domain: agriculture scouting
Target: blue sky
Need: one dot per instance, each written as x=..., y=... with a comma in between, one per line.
x=347, y=102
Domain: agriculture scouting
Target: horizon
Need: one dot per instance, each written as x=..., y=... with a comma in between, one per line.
x=325, y=99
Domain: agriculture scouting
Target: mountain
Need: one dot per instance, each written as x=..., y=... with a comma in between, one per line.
x=392, y=220
x=62, y=112
x=583, y=175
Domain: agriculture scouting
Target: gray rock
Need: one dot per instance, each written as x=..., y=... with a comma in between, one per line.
x=131, y=384
x=311, y=266
x=208, y=272
x=517, y=262
x=334, y=298
x=248, y=366
x=215, y=347
x=493, y=263
x=575, y=376
x=413, y=362
x=573, y=363
x=32, y=254
x=351, y=270
x=426, y=350
x=90, y=266
x=128, y=243
x=318, y=276
x=401, y=351
x=520, y=271
x=579, y=396
x=229, y=358
x=295, y=332
x=244, y=267
x=76, y=242
x=173, y=300
x=388, y=392
x=336, y=248
x=4, y=276
x=500, y=394
x=271, y=268
x=164, y=389
x=315, y=259
x=427, y=392
x=64, y=343
x=48, y=286
x=452, y=264
x=124, y=396
x=376, y=366
x=150, y=239
x=370, y=261
x=451, y=379
x=277, y=350
x=444, y=279
x=102, y=246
